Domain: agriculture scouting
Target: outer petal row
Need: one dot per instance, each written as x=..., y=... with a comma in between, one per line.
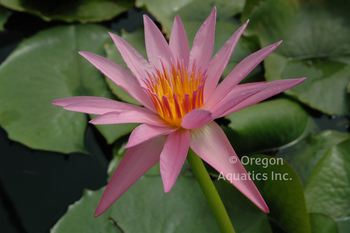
x=146, y=132
x=130, y=117
x=210, y=143
x=173, y=157
x=121, y=77
x=136, y=162
x=95, y=105
x=239, y=72
x=270, y=89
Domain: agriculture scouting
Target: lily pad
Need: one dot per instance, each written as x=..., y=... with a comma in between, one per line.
x=328, y=188
x=266, y=126
x=321, y=223
x=316, y=45
x=4, y=14
x=282, y=190
x=304, y=155
x=43, y=68
x=80, y=216
x=183, y=209
x=83, y=11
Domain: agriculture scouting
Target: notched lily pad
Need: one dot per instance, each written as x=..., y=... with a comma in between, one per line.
x=327, y=190
x=282, y=190
x=80, y=216
x=304, y=155
x=43, y=68
x=315, y=45
x=265, y=126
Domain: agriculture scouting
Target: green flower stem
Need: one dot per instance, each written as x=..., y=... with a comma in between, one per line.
x=210, y=193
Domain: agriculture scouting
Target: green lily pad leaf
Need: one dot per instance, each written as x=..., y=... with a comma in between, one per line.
x=183, y=209
x=4, y=14
x=265, y=126
x=343, y=224
x=43, y=68
x=80, y=216
x=304, y=155
x=83, y=11
x=137, y=40
x=328, y=188
x=321, y=223
x=316, y=45
x=282, y=190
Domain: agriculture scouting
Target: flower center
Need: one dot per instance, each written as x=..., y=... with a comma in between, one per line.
x=175, y=92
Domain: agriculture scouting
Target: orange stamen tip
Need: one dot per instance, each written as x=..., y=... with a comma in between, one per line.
x=175, y=92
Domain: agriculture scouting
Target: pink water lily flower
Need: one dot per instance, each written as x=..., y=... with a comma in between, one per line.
x=179, y=92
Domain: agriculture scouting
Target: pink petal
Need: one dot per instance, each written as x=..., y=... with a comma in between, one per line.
x=102, y=106
x=121, y=77
x=136, y=162
x=156, y=45
x=210, y=143
x=178, y=42
x=129, y=117
x=135, y=61
x=234, y=98
x=203, y=43
x=197, y=118
x=173, y=157
x=239, y=72
x=146, y=132
x=77, y=99
x=272, y=88
x=218, y=63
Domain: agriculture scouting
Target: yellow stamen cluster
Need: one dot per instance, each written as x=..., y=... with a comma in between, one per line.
x=175, y=93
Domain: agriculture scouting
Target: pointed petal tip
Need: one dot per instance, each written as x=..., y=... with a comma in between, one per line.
x=55, y=102
x=98, y=211
x=146, y=18
x=167, y=189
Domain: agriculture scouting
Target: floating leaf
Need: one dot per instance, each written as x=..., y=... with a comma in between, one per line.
x=304, y=155
x=43, y=68
x=80, y=216
x=315, y=45
x=266, y=125
x=183, y=209
x=321, y=223
x=83, y=11
x=282, y=190
x=328, y=188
